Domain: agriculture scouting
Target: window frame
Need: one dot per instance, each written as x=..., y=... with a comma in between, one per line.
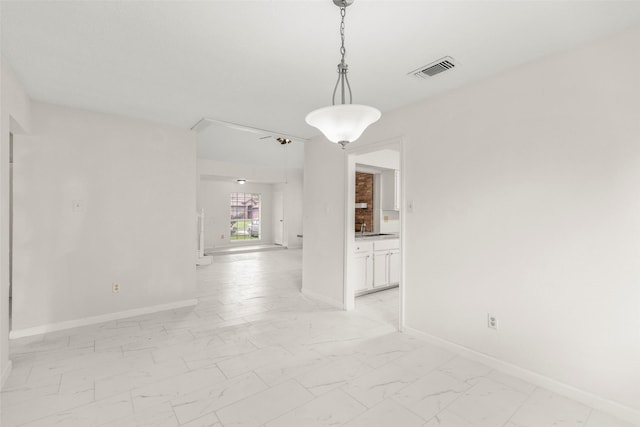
x=236, y=200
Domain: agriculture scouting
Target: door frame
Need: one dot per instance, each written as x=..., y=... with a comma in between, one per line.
x=278, y=224
x=349, y=219
x=11, y=218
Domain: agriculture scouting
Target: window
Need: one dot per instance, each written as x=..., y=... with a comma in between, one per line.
x=245, y=217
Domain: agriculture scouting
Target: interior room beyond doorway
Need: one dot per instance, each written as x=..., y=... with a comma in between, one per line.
x=373, y=256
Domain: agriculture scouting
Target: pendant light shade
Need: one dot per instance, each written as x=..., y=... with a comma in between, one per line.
x=343, y=123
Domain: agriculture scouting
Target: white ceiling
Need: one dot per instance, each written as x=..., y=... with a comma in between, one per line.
x=267, y=63
x=225, y=144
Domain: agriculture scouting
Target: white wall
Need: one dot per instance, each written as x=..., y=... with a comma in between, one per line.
x=391, y=224
x=289, y=181
x=15, y=117
x=250, y=172
x=383, y=158
x=137, y=226
x=213, y=197
x=525, y=192
x=324, y=221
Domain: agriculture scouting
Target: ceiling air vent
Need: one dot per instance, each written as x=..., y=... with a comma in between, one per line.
x=437, y=67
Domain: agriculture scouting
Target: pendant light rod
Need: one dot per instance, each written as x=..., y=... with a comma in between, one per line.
x=343, y=123
x=343, y=68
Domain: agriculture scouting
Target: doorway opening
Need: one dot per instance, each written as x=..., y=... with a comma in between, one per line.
x=374, y=239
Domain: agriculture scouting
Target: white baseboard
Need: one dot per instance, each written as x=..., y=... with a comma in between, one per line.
x=51, y=327
x=204, y=260
x=322, y=298
x=597, y=402
x=5, y=374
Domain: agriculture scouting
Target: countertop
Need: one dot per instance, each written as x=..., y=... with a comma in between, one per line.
x=376, y=236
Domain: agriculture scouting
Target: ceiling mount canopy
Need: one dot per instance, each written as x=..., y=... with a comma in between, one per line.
x=341, y=3
x=343, y=123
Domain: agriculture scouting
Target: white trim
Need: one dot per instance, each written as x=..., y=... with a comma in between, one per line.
x=206, y=121
x=51, y=327
x=403, y=231
x=5, y=374
x=322, y=298
x=204, y=260
x=592, y=400
x=348, y=294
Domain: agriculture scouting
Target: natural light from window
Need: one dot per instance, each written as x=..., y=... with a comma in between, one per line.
x=245, y=217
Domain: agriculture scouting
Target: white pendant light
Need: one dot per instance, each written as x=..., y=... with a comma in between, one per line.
x=343, y=123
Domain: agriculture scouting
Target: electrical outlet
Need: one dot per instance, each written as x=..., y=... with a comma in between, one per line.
x=492, y=321
x=116, y=288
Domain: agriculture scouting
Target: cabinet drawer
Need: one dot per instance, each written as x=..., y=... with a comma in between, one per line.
x=363, y=247
x=386, y=244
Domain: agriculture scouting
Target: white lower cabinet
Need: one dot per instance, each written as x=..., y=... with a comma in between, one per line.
x=380, y=268
x=394, y=266
x=363, y=272
x=386, y=268
x=363, y=267
x=376, y=264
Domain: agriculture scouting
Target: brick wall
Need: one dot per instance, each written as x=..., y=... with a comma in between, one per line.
x=364, y=194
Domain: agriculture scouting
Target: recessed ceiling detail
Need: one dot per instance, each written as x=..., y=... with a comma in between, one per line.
x=434, y=68
x=264, y=133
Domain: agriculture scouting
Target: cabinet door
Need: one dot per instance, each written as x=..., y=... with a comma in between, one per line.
x=395, y=266
x=380, y=268
x=362, y=272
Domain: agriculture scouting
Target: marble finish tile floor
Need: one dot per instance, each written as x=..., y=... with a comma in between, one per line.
x=256, y=353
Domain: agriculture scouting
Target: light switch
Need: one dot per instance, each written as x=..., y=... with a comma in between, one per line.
x=78, y=206
x=410, y=206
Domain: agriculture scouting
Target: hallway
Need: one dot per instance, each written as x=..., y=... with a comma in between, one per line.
x=256, y=352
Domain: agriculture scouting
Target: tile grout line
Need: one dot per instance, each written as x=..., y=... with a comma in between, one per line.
x=586, y=421
x=520, y=406
x=279, y=324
